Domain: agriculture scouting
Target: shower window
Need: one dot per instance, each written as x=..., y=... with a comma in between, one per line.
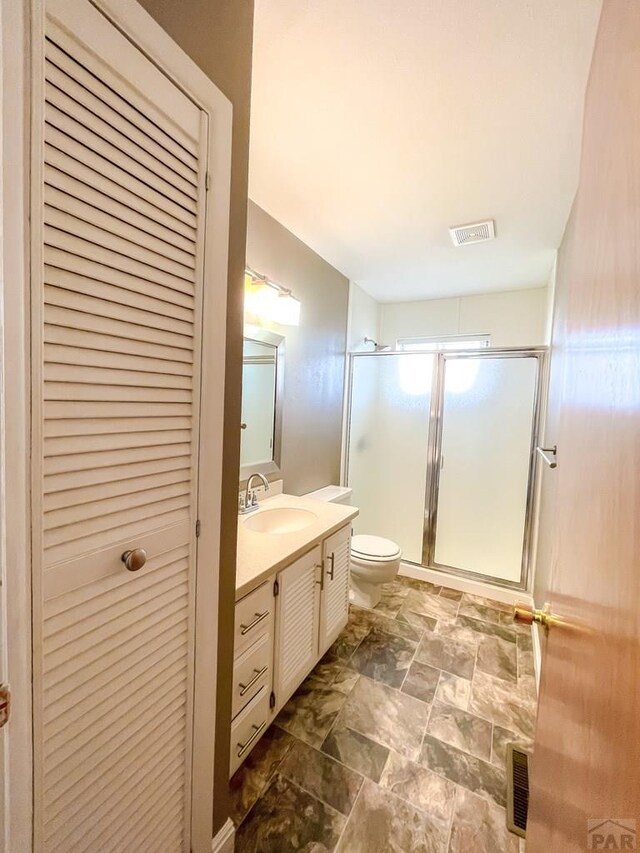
x=440, y=344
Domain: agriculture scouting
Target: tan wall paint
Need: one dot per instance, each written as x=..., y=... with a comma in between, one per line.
x=314, y=352
x=218, y=36
x=512, y=318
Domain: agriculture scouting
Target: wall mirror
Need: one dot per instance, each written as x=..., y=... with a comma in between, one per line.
x=262, y=384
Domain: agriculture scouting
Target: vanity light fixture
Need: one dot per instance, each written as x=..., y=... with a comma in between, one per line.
x=269, y=301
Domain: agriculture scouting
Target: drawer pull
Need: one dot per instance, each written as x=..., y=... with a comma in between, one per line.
x=258, y=673
x=243, y=747
x=259, y=617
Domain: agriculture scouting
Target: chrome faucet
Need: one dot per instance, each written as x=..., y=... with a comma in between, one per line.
x=249, y=502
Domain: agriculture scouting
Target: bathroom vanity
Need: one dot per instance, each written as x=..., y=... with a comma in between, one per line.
x=292, y=601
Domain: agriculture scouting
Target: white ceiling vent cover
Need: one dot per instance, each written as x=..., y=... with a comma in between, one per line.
x=478, y=232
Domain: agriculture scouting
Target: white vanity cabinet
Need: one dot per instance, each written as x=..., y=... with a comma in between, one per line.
x=282, y=629
x=334, y=602
x=298, y=612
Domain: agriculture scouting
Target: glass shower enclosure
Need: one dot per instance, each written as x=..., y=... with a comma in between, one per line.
x=440, y=456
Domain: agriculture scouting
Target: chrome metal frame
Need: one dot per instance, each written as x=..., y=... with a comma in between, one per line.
x=434, y=443
x=263, y=336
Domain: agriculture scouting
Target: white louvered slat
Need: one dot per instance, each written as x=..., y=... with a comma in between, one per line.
x=100, y=196
x=116, y=132
x=116, y=412
x=334, y=609
x=66, y=173
x=100, y=82
x=296, y=623
x=67, y=202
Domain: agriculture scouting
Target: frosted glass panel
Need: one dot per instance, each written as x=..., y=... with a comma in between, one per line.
x=488, y=408
x=388, y=439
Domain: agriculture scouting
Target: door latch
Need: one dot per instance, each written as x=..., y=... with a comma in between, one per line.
x=5, y=704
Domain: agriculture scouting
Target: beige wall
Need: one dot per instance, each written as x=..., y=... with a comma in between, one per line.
x=314, y=352
x=364, y=319
x=217, y=35
x=512, y=318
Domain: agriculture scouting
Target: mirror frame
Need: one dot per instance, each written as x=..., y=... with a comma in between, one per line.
x=271, y=470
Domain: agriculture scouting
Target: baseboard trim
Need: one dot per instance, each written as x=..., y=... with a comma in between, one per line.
x=508, y=596
x=537, y=653
x=224, y=840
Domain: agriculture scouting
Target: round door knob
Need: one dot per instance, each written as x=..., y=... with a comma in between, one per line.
x=135, y=559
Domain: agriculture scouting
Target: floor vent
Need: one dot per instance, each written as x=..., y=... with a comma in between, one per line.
x=517, y=789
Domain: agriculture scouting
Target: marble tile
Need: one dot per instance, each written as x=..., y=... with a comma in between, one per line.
x=429, y=604
x=491, y=629
x=479, y=826
x=479, y=611
x=393, y=596
x=383, y=656
x=442, y=652
x=525, y=641
x=497, y=657
x=358, y=626
x=322, y=776
x=453, y=594
x=461, y=729
x=386, y=716
x=528, y=688
x=502, y=606
x=506, y=619
x=356, y=751
x=425, y=790
x=311, y=712
x=454, y=690
x=421, y=681
x=287, y=818
x=400, y=626
x=384, y=823
x=249, y=780
x=331, y=671
x=464, y=769
x=501, y=702
x=500, y=739
x=414, y=583
x=418, y=620
x=525, y=661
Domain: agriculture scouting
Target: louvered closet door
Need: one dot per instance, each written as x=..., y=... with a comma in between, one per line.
x=115, y=399
x=334, y=607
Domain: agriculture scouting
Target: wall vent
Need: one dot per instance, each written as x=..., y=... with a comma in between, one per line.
x=477, y=232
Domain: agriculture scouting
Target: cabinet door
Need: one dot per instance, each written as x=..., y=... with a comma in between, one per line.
x=297, y=613
x=334, y=607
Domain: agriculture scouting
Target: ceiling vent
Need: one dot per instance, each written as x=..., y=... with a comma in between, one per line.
x=478, y=232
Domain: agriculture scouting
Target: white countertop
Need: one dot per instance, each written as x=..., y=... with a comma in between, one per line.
x=261, y=555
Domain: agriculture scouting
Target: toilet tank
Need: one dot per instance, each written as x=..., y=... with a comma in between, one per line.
x=332, y=494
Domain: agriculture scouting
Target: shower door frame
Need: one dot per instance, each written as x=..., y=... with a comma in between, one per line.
x=433, y=438
x=434, y=457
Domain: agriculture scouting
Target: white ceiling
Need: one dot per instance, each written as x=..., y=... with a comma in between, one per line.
x=377, y=124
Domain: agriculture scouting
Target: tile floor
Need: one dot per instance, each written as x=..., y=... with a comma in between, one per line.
x=397, y=740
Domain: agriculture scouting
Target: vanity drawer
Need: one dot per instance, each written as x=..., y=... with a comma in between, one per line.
x=247, y=729
x=251, y=671
x=254, y=616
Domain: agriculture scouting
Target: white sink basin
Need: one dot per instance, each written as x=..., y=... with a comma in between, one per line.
x=280, y=520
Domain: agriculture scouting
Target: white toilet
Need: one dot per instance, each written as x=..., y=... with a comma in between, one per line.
x=374, y=560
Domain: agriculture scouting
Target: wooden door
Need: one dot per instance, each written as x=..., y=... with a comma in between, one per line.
x=297, y=613
x=586, y=764
x=334, y=602
x=118, y=172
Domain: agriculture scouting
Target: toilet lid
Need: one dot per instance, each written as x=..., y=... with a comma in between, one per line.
x=374, y=548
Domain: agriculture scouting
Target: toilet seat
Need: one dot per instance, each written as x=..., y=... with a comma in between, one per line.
x=374, y=549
